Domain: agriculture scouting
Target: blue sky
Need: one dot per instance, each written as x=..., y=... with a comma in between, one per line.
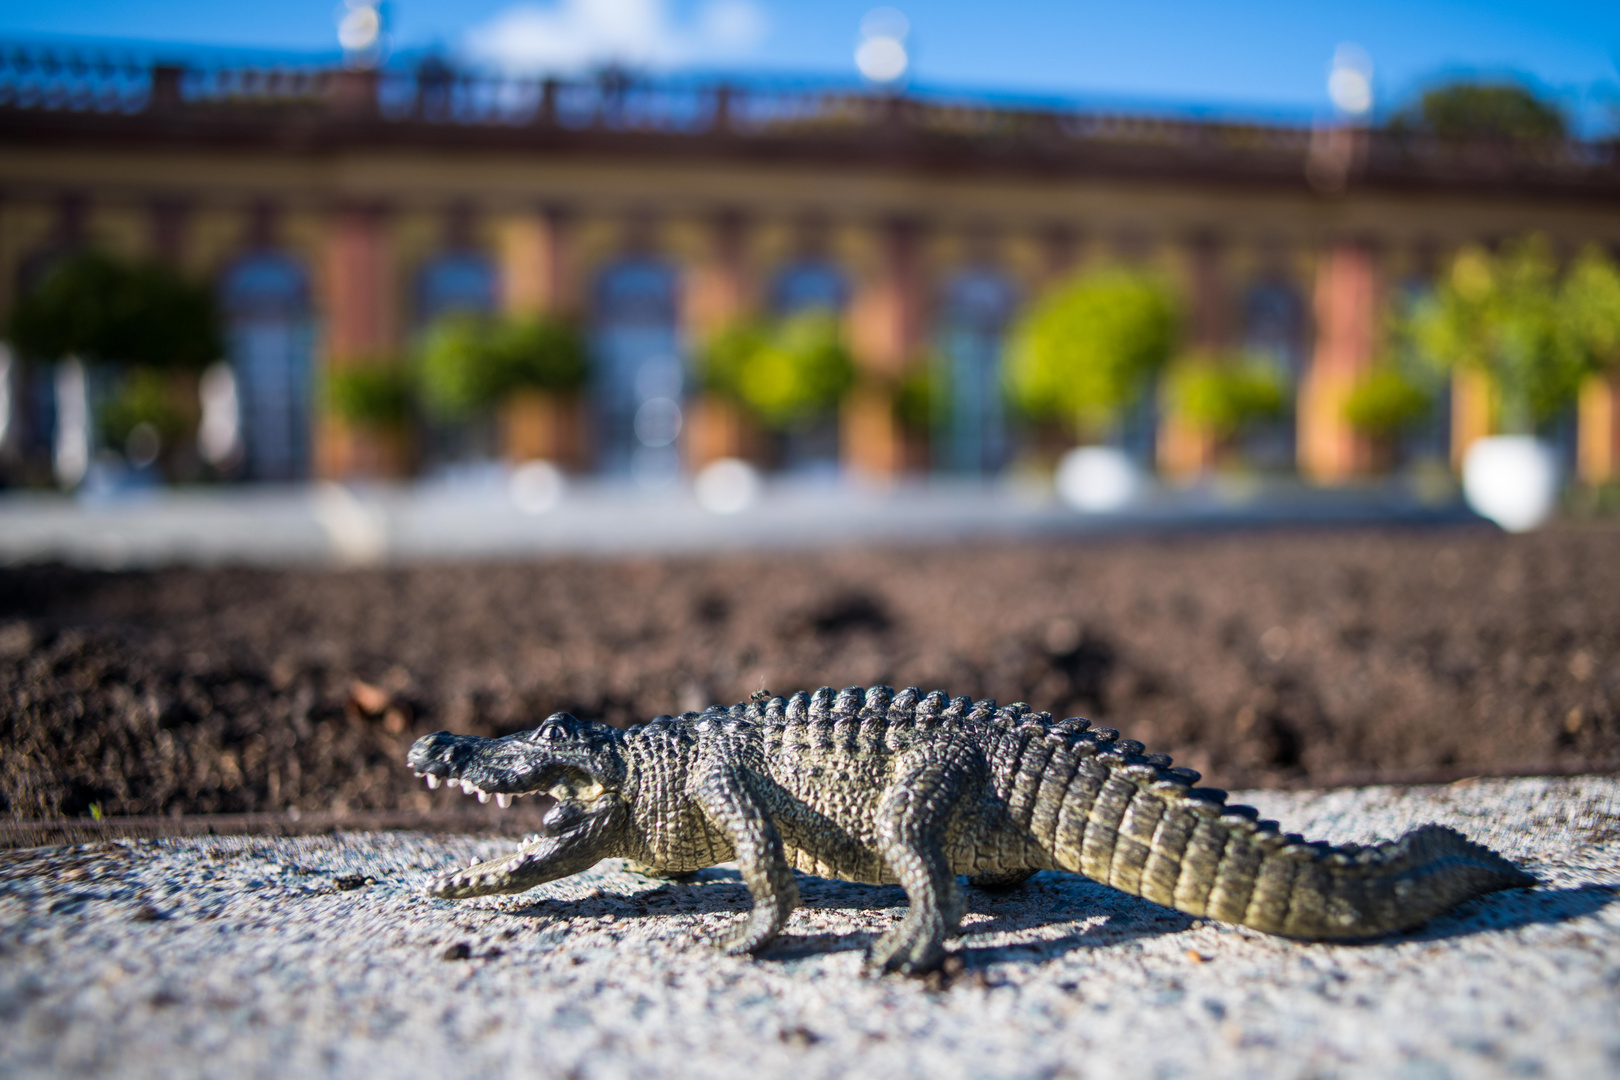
x=1258, y=57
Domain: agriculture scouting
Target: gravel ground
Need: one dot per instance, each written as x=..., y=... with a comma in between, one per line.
x=257, y=956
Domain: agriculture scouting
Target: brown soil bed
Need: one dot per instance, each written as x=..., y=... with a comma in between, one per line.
x=1260, y=658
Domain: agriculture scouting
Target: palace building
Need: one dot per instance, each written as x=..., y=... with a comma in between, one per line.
x=339, y=211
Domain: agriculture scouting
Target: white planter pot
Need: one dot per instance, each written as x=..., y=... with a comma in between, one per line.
x=1099, y=479
x=1511, y=479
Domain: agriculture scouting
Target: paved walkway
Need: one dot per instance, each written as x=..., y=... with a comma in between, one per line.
x=244, y=957
x=327, y=522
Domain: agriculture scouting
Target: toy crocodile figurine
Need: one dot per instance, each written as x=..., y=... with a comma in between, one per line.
x=879, y=787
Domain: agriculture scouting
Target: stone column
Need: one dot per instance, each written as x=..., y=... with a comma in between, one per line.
x=1598, y=429
x=887, y=334
x=359, y=282
x=1060, y=253
x=1347, y=319
x=169, y=218
x=1186, y=449
x=537, y=278
x=718, y=294
x=537, y=273
x=1471, y=411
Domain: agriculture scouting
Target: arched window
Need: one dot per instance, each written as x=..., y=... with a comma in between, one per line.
x=265, y=296
x=639, y=375
x=1429, y=436
x=1274, y=329
x=978, y=304
x=455, y=281
x=807, y=284
x=452, y=282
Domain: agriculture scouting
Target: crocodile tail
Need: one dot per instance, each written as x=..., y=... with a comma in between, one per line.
x=1350, y=892
x=1238, y=869
x=1126, y=820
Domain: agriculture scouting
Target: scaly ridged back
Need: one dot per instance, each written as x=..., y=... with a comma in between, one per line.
x=1096, y=804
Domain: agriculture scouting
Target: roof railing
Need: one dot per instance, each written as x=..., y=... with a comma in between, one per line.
x=432, y=92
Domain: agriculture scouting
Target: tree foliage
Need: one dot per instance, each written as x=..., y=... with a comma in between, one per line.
x=104, y=309
x=470, y=362
x=786, y=374
x=1471, y=109
x=1088, y=350
x=1591, y=309
x=1511, y=316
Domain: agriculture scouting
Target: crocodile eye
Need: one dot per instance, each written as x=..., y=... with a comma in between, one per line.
x=551, y=732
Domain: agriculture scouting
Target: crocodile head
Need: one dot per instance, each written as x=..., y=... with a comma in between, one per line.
x=577, y=764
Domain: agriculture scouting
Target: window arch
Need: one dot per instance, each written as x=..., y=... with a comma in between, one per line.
x=639, y=375
x=455, y=281
x=265, y=298
x=807, y=284
x=1274, y=330
x=978, y=306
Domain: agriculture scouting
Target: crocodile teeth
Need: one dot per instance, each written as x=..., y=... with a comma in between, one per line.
x=504, y=800
x=483, y=796
x=467, y=787
x=432, y=781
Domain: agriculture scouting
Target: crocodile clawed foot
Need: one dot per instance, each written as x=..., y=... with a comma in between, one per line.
x=753, y=935
x=909, y=948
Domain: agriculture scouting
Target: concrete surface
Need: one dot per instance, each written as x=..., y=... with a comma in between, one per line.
x=242, y=956
x=326, y=523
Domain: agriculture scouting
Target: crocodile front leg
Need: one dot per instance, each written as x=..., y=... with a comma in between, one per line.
x=728, y=800
x=911, y=824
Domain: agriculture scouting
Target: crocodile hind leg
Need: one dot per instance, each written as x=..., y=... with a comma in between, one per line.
x=912, y=819
x=730, y=803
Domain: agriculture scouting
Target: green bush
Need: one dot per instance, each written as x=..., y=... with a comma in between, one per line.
x=104, y=309
x=470, y=362
x=784, y=376
x=1087, y=351
x=1226, y=394
x=1384, y=401
x=375, y=394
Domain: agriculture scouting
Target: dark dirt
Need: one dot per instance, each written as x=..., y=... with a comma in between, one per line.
x=1261, y=659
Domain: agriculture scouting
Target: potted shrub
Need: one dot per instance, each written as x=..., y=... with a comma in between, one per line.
x=786, y=377
x=1225, y=394
x=1503, y=317
x=1381, y=403
x=372, y=397
x=528, y=368
x=721, y=426
x=921, y=401
x=1082, y=357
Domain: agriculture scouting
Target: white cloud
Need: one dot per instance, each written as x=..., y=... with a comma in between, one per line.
x=575, y=35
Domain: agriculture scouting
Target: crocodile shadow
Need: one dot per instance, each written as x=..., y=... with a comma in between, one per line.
x=1508, y=910
x=1047, y=899
x=721, y=891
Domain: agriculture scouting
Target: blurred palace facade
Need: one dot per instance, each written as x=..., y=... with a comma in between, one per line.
x=339, y=211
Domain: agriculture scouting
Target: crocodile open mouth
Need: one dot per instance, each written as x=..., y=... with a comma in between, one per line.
x=504, y=769
x=571, y=839
x=503, y=799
